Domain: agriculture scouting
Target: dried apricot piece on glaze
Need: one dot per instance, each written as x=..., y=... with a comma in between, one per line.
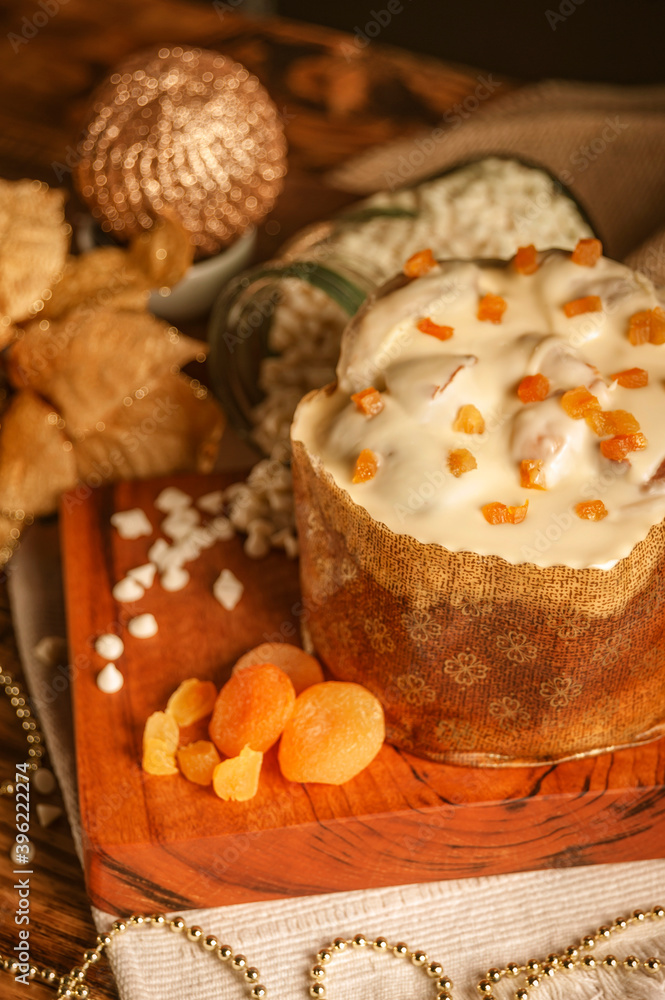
x=237, y=779
x=192, y=700
x=252, y=709
x=158, y=757
x=428, y=326
x=587, y=253
x=336, y=730
x=619, y=447
x=606, y=422
x=460, y=460
x=491, y=308
x=647, y=326
x=578, y=402
x=500, y=513
x=632, y=378
x=197, y=761
x=160, y=726
x=532, y=475
x=469, y=420
x=517, y=514
x=368, y=401
x=591, y=510
x=525, y=260
x=587, y=304
x=366, y=466
x=533, y=388
x=303, y=669
x=419, y=263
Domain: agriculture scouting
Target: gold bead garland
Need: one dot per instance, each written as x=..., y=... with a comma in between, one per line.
x=185, y=131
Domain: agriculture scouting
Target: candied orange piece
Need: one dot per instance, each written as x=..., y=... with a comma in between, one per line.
x=303, y=669
x=532, y=476
x=252, y=709
x=605, y=422
x=617, y=448
x=533, y=388
x=525, y=260
x=461, y=460
x=419, y=264
x=192, y=700
x=578, y=402
x=647, y=327
x=587, y=304
x=160, y=726
x=632, y=378
x=369, y=401
x=499, y=513
x=366, y=466
x=591, y=510
x=427, y=325
x=197, y=761
x=336, y=729
x=469, y=420
x=587, y=253
x=158, y=757
x=237, y=779
x=491, y=308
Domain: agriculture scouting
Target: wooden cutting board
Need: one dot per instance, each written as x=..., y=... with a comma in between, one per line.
x=163, y=843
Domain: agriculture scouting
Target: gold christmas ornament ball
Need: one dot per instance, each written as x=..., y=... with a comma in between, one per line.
x=184, y=131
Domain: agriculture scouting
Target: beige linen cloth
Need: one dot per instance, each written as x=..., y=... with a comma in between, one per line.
x=608, y=145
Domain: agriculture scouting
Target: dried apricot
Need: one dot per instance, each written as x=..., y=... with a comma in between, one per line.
x=525, y=260
x=617, y=448
x=366, y=466
x=461, y=460
x=419, y=264
x=647, y=327
x=303, y=669
x=587, y=253
x=336, y=729
x=591, y=510
x=197, y=761
x=579, y=402
x=587, y=304
x=605, y=422
x=533, y=388
x=158, y=757
x=237, y=779
x=192, y=700
x=426, y=325
x=160, y=726
x=469, y=420
x=499, y=513
x=252, y=709
x=369, y=401
x=491, y=308
x=532, y=475
x=632, y=378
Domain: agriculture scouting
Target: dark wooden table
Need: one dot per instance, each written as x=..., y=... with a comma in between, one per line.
x=335, y=99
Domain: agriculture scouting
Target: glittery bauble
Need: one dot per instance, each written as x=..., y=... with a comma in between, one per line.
x=184, y=131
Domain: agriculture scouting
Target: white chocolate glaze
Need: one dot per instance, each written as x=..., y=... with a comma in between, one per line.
x=414, y=493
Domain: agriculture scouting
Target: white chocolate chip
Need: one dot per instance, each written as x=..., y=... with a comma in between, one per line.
x=228, y=589
x=179, y=523
x=174, y=578
x=171, y=498
x=145, y=575
x=47, y=814
x=257, y=545
x=110, y=680
x=222, y=528
x=109, y=646
x=131, y=523
x=43, y=781
x=143, y=626
x=211, y=503
x=51, y=651
x=158, y=552
x=127, y=590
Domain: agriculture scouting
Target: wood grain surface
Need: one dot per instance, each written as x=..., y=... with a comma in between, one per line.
x=162, y=842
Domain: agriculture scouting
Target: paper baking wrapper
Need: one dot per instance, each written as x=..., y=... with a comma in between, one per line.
x=477, y=660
